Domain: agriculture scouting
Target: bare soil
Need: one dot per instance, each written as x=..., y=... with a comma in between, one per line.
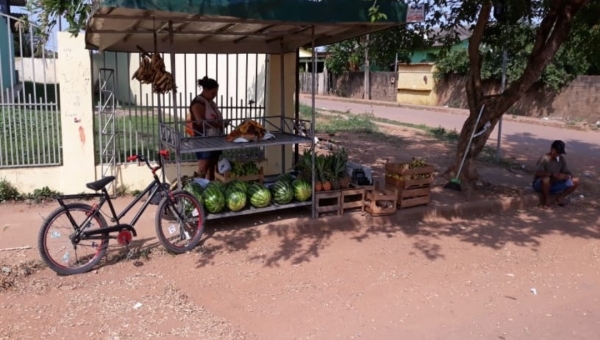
x=520, y=275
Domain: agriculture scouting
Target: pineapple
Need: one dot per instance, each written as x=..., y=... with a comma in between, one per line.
x=340, y=178
x=319, y=163
x=325, y=172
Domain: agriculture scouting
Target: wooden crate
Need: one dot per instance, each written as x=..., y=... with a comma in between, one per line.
x=413, y=197
x=352, y=198
x=226, y=177
x=373, y=197
x=408, y=180
x=328, y=201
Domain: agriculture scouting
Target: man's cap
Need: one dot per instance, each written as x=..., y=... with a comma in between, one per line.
x=559, y=146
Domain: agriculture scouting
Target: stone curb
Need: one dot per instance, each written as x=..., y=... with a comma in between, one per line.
x=447, y=110
x=424, y=213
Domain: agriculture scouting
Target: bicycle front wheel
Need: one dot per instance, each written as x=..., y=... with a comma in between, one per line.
x=179, y=222
x=61, y=250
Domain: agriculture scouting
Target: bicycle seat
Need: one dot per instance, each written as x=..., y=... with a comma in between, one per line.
x=100, y=184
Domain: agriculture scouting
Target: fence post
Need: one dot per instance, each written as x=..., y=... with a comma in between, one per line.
x=77, y=116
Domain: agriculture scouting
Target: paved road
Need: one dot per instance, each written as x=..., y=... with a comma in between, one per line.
x=518, y=139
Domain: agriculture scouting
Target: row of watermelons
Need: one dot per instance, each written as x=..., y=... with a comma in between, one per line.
x=236, y=194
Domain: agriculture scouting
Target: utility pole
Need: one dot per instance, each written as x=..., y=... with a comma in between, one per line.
x=367, y=84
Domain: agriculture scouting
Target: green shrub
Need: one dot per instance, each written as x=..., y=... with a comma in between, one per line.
x=8, y=192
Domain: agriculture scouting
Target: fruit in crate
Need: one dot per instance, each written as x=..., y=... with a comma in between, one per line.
x=283, y=193
x=240, y=169
x=237, y=184
x=214, y=199
x=302, y=190
x=259, y=196
x=249, y=130
x=236, y=198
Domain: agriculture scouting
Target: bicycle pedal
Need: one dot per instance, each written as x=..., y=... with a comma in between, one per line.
x=124, y=238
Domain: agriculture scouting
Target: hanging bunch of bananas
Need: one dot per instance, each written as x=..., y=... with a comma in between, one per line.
x=152, y=70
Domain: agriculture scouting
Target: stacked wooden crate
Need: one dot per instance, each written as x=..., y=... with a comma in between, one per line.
x=413, y=184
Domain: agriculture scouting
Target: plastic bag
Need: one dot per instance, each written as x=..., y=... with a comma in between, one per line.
x=223, y=166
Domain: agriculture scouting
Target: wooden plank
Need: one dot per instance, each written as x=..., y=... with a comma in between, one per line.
x=325, y=205
x=413, y=202
x=414, y=193
x=352, y=199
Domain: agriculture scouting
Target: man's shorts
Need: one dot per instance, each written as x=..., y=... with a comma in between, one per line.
x=555, y=188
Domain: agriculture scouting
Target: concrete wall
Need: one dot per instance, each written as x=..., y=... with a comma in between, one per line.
x=579, y=101
x=74, y=71
x=37, y=70
x=351, y=85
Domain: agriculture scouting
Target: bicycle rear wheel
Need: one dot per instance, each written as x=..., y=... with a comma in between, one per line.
x=70, y=257
x=183, y=219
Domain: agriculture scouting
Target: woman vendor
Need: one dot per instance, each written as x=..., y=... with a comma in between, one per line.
x=206, y=120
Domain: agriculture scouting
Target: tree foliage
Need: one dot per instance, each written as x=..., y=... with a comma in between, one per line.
x=570, y=61
x=383, y=46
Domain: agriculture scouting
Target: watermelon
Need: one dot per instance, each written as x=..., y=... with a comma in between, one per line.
x=214, y=200
x=236, y=183
x=283, y=193
x=218, y=185
x=259, y=196
x=302, y=190
x=195, y=189
x=236, y=199
x=285, y=178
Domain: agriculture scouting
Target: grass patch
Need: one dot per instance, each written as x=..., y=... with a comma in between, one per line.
x=29, y=137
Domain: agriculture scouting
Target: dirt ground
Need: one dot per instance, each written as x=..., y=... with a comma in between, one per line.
x=523, y=275
x=519, y=275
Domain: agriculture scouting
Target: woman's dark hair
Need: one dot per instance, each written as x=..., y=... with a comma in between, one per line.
x=208, y=83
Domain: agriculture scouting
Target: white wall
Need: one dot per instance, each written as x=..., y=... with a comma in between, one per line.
x=36, y=70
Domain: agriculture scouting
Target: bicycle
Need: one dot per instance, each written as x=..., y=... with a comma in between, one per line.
x=94, y=227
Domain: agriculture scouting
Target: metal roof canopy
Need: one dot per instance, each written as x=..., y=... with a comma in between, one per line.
x=259, y=26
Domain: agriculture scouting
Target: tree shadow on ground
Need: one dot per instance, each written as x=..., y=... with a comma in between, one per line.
x=300, y=239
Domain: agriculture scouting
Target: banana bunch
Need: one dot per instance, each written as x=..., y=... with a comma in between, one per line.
x=152, y=70
x=249, y=130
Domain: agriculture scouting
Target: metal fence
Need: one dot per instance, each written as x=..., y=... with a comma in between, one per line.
x=30, y=124
x=127, y=111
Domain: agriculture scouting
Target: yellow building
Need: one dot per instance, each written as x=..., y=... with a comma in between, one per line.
x=416, y=84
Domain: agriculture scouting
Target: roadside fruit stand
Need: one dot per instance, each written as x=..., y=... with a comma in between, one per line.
x=272, y=27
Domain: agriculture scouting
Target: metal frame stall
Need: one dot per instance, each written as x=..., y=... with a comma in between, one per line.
x=252, y=26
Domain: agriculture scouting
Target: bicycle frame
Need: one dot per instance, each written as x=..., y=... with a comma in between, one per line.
x=153, y=188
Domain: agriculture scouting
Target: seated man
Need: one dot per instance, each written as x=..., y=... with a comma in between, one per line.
x=553, y=177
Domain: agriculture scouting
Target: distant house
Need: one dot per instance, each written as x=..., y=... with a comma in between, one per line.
x=416, y=84
x=429, y=55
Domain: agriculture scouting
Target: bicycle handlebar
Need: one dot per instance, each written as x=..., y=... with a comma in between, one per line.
x=142, y=158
